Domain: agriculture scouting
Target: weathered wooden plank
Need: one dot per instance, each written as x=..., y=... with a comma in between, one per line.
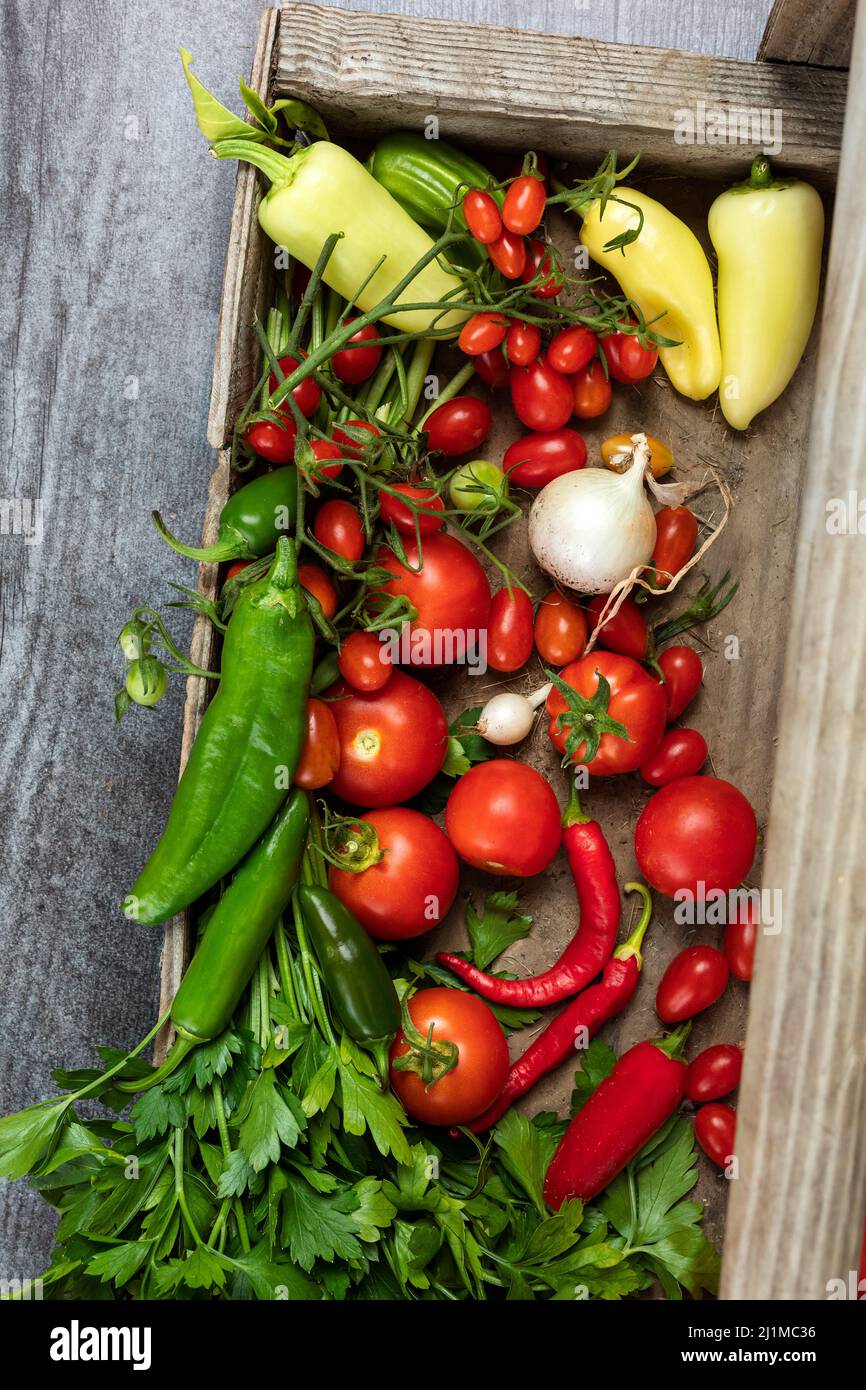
x=578, y=98
x=800, y=32
x=797, y=1208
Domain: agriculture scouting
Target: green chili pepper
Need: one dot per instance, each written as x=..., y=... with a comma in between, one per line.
x=360, y=987
x=244, y=757
x=251, y=522
x=429, y=178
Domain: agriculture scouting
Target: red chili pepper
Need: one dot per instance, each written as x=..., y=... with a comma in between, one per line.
x=590, y=948
x=622, y=1114
x=589, y=1011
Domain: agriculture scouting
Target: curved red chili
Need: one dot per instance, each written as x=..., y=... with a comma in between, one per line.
x=590, y=1010
x=590, y=948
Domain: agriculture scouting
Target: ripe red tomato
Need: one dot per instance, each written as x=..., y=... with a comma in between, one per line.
x=681, y=753
x=351, y=445
x=676, y=535
x=276, y=443
x=508, y=254
x=364, y=661
x=391, y=509
x=738, y=944
x=540, y=262
x=316, y=582
x=634, y=703
x=338, y=526
x=307, y=394
x=592, y=392
x=540, y=396
x=482, y=216
x=560, y=629
x=412, y=886
x=503, y=817
x=509, y=632
x=572, y=349
x=536, y=459
x=482, y=333
x=715, y=1131
x=626, y=632
x=696, y=835
x=392, y=741
x=715, y=1072
x=683, y=672
x=522, y=343
x=323, y=450
x=450, y=593
x=458, y=426
x=468, y=1088
x=627, y=361
x=524, y=204
x=493, y=369
x=694, y=980
x=354, y=364
x=234, y=570
x=320, y=755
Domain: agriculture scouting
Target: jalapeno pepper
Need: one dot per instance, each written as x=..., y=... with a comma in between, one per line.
x=251, y=522
x=243, y=760
x=429, y=178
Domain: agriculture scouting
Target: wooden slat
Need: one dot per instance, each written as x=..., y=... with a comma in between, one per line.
x=796, y=1212
x=582, y=97
x=799, y=31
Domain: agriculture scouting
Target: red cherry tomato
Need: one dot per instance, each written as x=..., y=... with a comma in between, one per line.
x=740, y=937
x=316, y=582
x=482, y=333
x=364, y=661
x=235, y=569
x=339, y=527
x=536, y=459
x=715, y=1131
x=482, y=216
x=391, y=509
x=276, y=443
x=572, y=349
x=323, y=450
x=522, y=343
x=634, y=703
x=681, y=753
x=392, y=741
x=683, y=672
x=320, y=755
x=627, y=361
x=493, y=369
x=503, y=817
x=540, y=262
x=540, y=396
x=560, y=629
x=482, y=1058
x=307, y=394
x=353, y=447
x=524, y=204
x=353, y=364
x=694, y=980
x=450, y=593
x=626, y=632
x=592, y=392
x=697, y=835
x=509, y=633
x=676, y=536
x=458, y=426
x=508, y=254
x=412, y=886
x=715, y=1072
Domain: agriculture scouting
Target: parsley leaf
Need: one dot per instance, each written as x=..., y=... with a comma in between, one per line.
x=314, y=1227
x=498, y=927
x=269, y=1117
x=525, y=1151
x=597, y=1062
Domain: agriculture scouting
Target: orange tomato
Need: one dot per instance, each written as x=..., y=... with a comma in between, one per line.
x=316, y=582
x=320, y=755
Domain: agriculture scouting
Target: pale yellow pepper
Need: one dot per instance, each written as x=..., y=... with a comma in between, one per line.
x=768, y=236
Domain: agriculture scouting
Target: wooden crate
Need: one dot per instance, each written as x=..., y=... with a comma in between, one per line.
x=795, y=1210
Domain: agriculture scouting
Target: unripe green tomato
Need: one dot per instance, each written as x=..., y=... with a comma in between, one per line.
x=146, y=681
x=132, y=640
x=479, y=486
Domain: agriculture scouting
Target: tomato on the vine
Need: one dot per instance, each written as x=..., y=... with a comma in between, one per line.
x=502, y=816
x=522, y=343
x=364, y=661
x=681, y=753
x=307, y=393
x=695, y=836
x=460, y=1071
x=572, y=349
x=635, y=704
x=683, y=671
x=592, y=392
x=560, y=629
x=539, y=261
x=392, y=741
x=353, y=446
x=358, y=360
x=273, y=442
x=339, y=527
x=411, y=886
x=524, y=204
x=538, y=458
x=392, y=509
x=541, y=398
x=482, y=216
x=510, y=630
x=627, y=360
x=320, y=754
x=482, y=333
x=449, y=592
x=493, y=369
x=234, y=570
x=318, y=583
x=508, y=254
x=479, y=486
x=324, y=451
x=458, y=426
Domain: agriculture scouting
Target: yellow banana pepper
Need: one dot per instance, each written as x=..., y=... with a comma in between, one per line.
x=666, y=273
x=768, y=236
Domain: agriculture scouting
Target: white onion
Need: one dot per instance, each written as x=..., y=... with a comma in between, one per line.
x=589, y=529
x=507, y=717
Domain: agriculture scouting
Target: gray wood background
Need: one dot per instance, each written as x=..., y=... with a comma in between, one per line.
x=114, y=232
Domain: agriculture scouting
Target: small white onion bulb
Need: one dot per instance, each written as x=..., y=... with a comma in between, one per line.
x=507, y=717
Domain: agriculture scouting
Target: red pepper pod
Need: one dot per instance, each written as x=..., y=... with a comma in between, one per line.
x=589, y=950
x=627, y=1109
